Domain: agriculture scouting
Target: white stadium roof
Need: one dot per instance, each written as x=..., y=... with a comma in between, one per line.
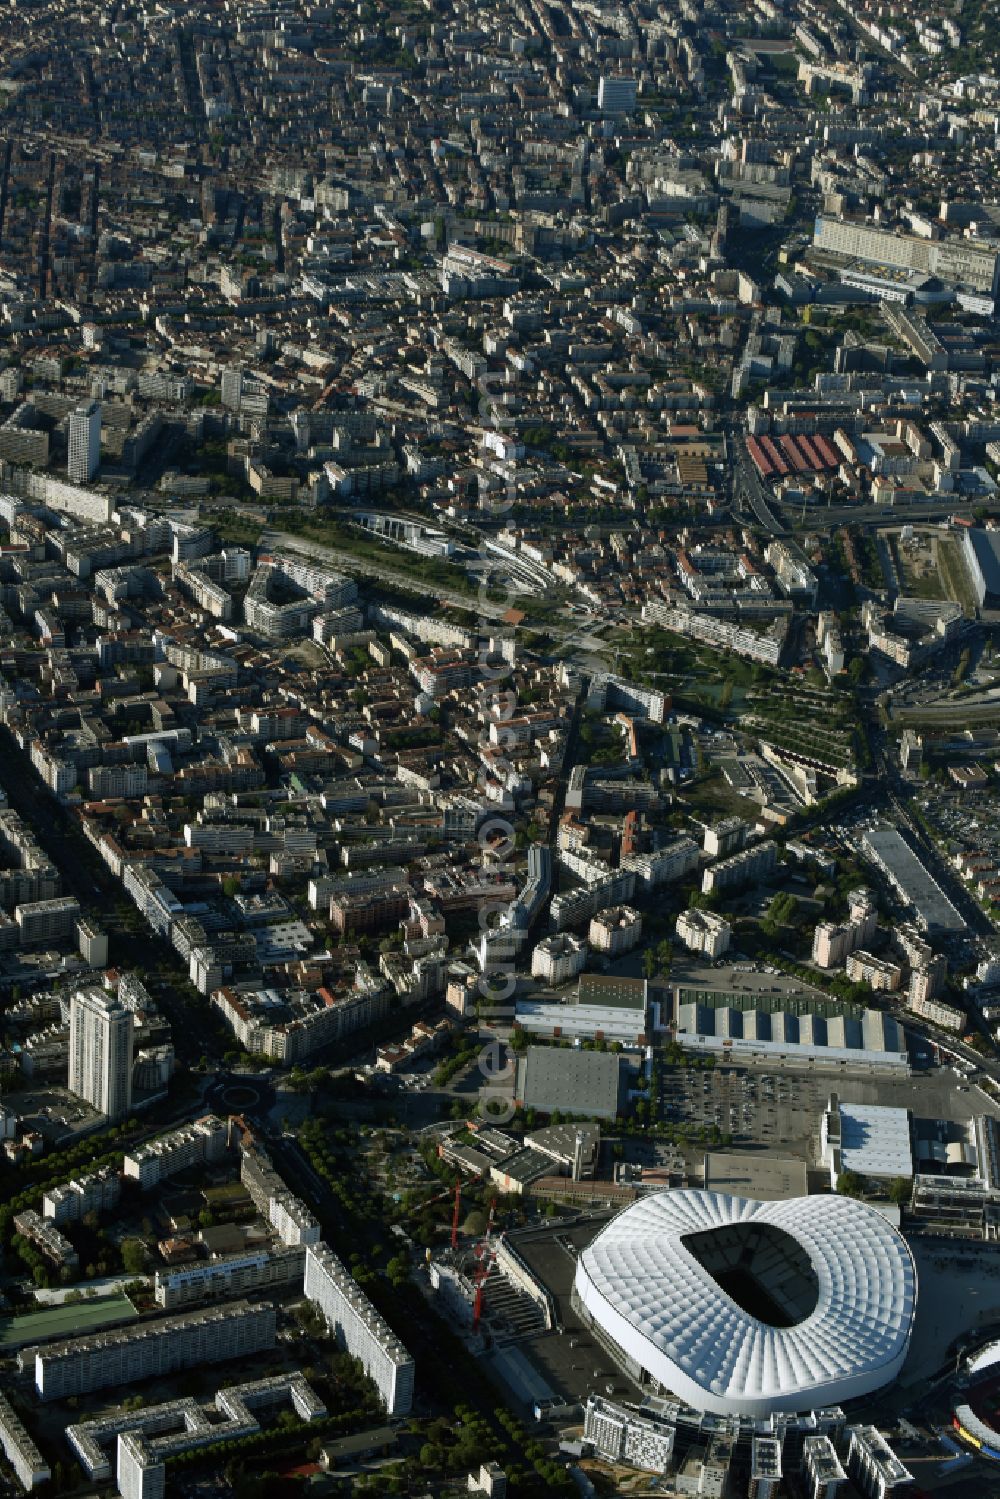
x=744, y=1307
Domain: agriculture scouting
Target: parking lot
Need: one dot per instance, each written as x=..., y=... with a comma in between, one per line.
x=783, y=1109
x=53, y=1112
x=752, y=1107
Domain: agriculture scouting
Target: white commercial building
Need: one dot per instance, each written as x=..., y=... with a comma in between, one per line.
x=866, y=1139
x=100, y=1052
x=620, y=1434
x=359, y=1328
x=719, y=1022
x=890, y=852
x=616, y=95
x=748, y=1308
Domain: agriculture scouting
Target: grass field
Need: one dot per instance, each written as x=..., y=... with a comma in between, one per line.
x=956, y=574
x=65, y=1321
x=229, y=1192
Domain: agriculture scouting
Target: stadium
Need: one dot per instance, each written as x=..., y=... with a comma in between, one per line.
x=744, y=1308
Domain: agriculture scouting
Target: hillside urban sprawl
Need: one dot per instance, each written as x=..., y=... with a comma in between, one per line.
x=500, y=748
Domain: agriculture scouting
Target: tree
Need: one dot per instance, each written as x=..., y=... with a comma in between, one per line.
x=134, y=1256
x=900, y=1191
x=850, y=1184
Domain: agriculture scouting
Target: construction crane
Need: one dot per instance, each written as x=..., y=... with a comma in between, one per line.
x=484, y=1256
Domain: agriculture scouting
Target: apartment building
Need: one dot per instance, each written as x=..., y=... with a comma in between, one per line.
x=291, y=1030
x=40, y=922
x=616, y=95
x=191, y=1145
x=672, y=862
x=359, y=1328
x=19, y=1450
x=725, y=837
x=123, y=1358
x=615, y=931
x=117, y=780
x=84, y=443
x=764, y=646
x=822, y=1468
x=559, y=958
x=98, y=1192
x=744, y=868
x=100, y=1051
x=963, y=262
x=43, y=1234
x=946, y=1017
x=872, y=1465
x=286, y=1213
x=230, y=1275
x=866, y=968
x=833, y=943
x=704, y=932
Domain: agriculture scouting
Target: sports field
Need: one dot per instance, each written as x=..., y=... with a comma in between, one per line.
x=65, y=1321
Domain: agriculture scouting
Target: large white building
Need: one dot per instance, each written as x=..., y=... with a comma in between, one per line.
x=84, y=443
x=749, y=1308
x=100, y=1052
x=616, y=95
x=229, y=1275
x=872, y=1465
x=868, y=1140
x=359, y=1328
x=559, y=958
x=704, y=932
x=192, y=1144
x=744, y=868
x=19, y=1449
x=963, y=262
x=119, y=1358
x=615, y=931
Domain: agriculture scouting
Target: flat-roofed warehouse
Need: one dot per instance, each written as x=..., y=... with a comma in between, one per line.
x=757, y=1175
x=890, y=852
x=787, y=1027
x=589, y=1083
